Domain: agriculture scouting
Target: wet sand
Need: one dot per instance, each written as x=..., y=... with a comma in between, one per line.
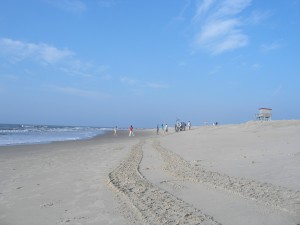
x=62, y=182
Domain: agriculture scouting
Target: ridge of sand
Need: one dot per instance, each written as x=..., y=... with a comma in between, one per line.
x=194, y=170
x=279, y=197
x=148, y=203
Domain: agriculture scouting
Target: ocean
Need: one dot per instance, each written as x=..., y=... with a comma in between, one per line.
x=17, y=134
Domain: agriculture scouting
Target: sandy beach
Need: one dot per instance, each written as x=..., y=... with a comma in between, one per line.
x=246, y=174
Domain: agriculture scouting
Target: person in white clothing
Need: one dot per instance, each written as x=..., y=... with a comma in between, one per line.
x=115, y=131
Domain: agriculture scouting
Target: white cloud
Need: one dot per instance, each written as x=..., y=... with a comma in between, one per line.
x=232, y=7
x=220, y=26
x=202, y=9
x=233, y=41
x=74, y=6
x=217, y=29
x=42, y=53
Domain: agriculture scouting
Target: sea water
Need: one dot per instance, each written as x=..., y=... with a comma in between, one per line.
x=16, y=134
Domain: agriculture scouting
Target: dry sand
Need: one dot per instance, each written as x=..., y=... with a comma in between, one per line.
x=247, y=174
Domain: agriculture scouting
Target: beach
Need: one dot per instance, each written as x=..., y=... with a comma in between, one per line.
x=241, y=174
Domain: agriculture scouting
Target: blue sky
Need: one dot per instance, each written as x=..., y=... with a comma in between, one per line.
x=117, y=62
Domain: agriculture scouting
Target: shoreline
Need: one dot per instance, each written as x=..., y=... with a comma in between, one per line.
x=106, y=134
x=106, y=137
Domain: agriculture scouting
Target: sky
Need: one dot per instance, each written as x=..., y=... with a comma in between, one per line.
x=123, y=62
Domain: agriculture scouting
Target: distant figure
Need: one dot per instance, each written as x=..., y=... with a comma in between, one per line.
x=189, y=125
x=115, y=131
x=131, y=131
x=166, y=129
x=157, y=129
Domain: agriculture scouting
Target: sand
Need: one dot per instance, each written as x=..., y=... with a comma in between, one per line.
x=244, y=174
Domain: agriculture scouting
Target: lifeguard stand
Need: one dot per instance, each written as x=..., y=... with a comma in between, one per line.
x=264, y=114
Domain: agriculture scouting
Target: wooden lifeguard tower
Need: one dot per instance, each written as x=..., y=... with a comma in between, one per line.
x=264, y=114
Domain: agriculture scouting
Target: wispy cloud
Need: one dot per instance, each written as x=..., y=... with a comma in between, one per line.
x=219, y=25
x=202, y=9
x=42, y=53
x=48, y=55
x=74, y=6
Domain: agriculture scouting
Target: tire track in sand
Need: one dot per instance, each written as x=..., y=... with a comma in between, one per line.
x=278, y=197
x=147, y=203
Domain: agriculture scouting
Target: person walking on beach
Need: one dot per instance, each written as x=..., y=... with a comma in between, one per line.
x=131, y=131
x=163, y=128
x=189, y=125
x=166, y=129
x=115, y=131
x=157, y=129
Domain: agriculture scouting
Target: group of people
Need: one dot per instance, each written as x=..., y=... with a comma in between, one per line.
x=164, y=128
